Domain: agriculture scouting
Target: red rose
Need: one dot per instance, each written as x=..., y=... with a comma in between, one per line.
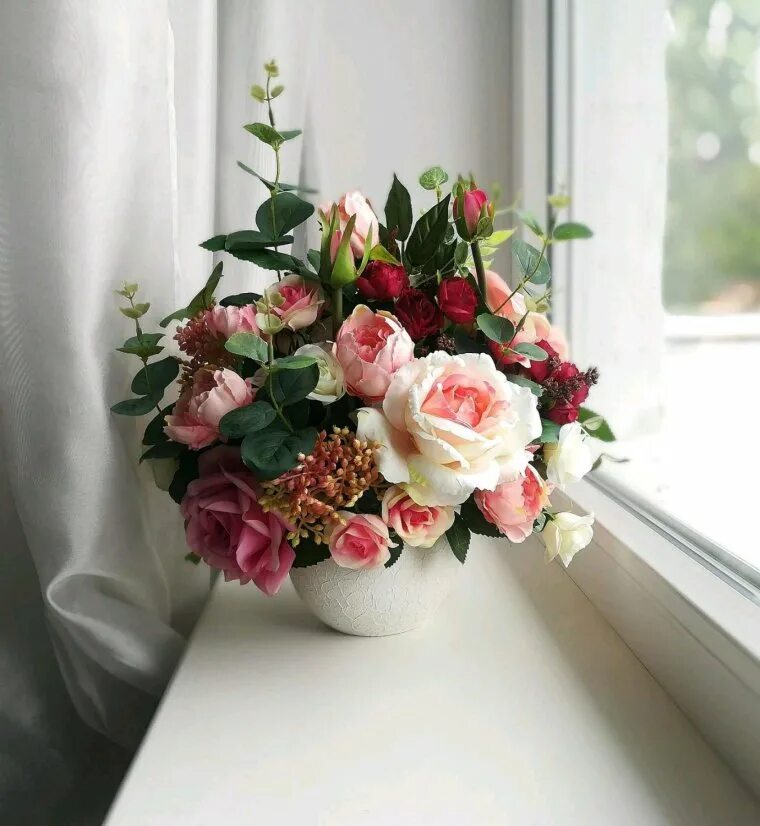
x=539, y=371
x=419, y=315
x=458, y=300
x=570, y=388
x=382, y=281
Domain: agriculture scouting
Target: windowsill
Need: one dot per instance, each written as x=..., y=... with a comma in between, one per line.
x=517, y=703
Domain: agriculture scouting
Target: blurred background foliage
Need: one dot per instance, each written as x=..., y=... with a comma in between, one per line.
x=712, y=242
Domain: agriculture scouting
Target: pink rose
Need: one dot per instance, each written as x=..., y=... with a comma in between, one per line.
x=418, y=525
x=353, y=203
x=514, y=506
x=468, y=209
x=200, y=407
x=294, y=301
x=370, y=347
x=226, y=526
x=362, y=541
x=226, y=321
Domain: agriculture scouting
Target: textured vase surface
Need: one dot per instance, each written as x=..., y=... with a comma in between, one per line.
x=379, y=601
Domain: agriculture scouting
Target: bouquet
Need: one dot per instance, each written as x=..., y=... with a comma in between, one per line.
x=383, y=391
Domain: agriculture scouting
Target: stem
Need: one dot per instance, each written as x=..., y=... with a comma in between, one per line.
x=479, y=269
x=276, y=187
x=526, y=278
x=143, y=359
x=337, y=309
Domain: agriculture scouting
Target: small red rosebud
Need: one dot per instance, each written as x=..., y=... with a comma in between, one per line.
x=468, y=209
x=458, y=300
x=419, y=315
x=382, y=281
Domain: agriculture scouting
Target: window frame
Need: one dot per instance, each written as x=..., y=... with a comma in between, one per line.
x=690, y=616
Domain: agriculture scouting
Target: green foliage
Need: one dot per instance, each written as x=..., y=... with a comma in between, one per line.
x=266, y=134
x=267, y=259
x=379, y=253
x=135, y=311
x=549, y=431
x=571, y=232
x=531, y=262
x=475, y=521
x=186, y=472
x=144, y=346
x=163, y=450
x=531, y=351
x=534, y=388
x=433, y=178
x=155, y=377
x=290, y=386
x=240, y=299
x=531, y=222
x=201, y=300
x=250, y=419
x=154, y=432
x=395, y=553
x=273, y=451
x=498, y=329
x=458, y=536
x=595, y=425
x=136, y=407
x=248, y=345
x=270, y=184
x=215, y=244
x=428, y=233
x=245, y=240
x=398, y=210
x=293, y=362
x=309, y=553
x=289, y=212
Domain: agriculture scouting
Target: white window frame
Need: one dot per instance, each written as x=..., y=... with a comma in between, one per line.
x=686, y=614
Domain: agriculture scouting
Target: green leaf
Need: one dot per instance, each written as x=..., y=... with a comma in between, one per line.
x=244, y=420
x=549, y=431
x=245, y=240
x=461, y=252
x=294, y=362
x=433, y=178
x=534, y=388
x=144, y=347
x=498, y=237
x=459, y=538
x=290, y=386
x=215, y=244
x=379, y=253
x=531, y=262
x=595, y=425
x=395, y=553
x=309, y=553
x=135, y=407
x=185, y=473
x=137, y=311
x=258, y=93
x=428, y=233
x=289, y=212
x=270, y=184
x=163, y=450
x=465, y=343
x=154, y=432
x=475, y=521
x=248, y=345
x=276, y=91
x=571, y=231
x=265, y=133
x=267, y=259
x=498, y=329
x=240, y=299
x=273, y=451
x=155, y=377
x=531, y=351
x=289, y=134
x=398, y=210
x=530, y=221
x=201, y=300
x=191, y=557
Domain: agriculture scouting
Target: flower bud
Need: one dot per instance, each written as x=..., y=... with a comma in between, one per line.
x=473, y=214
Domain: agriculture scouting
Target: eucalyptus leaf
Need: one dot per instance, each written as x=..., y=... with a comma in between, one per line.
x=135, y=407
x=154, y=432
x=549, y=431
x=143, y=346
x=270, y=184
x=155, y=377
x=249, y=419
x=293, y=362
x=290, y=386
x=498, y=329
x=273, y=451
x=531, y=351
x=201, y=300
x=245, y=240
x=595, y=425
x=265, y=133
x=248, y=345
x=163, y=450
x=289, y=212
x=571, y=231
x=531, y=262
x=267, y=259
x=534, y=388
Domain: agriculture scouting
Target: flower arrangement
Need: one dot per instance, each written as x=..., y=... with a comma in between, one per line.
x=384, y=391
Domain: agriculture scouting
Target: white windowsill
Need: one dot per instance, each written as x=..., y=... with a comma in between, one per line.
x=518, y=703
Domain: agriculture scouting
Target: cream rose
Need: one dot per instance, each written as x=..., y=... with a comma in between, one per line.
x=570, y=459
x=450, y=425
x=567, y=533
x=331, y=385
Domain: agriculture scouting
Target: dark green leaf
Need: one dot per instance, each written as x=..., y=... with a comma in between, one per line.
x=240, y=300
x=459, y=538
x=465, y=343
x=163, y=450
x=154, y=432
x=531, y=262
x=433, y=178
x=395, y=553
x=549, y=431
x=265, y=133
x=135, y=407
x=201, y=300
x=248, y=345
x=460, y=253
x=475, y=520
x=428, y=233
x=215, y=244
x=309, y=553
x=294, y=362
x=244, y=420
x=290, y=386
x=155, y=377
x=571, y=231
x=595, y=425
x=144, y=347
x=245, y=240
x=498, y=329
x=270, y=184
x=289, y=134
x=398, y=210
x=314, y=258
x=191, y=557
x=186, y=473
x=267, y=259
x=289, y=212
x=272, y=452
x=531, y=351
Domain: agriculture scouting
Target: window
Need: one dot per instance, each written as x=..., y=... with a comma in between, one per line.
x=656, y=133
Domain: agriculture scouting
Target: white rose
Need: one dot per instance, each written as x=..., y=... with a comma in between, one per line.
x=330, y=386
x=567, y=533
x=451, y=425
x=571, y=458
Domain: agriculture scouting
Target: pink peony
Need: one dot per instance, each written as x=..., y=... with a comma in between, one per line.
x=200, y=407
x=296, y=302
x=354, y=203
x=362, y=541
x=226, y=526
x=514, y=506
x=418, y=525
x=226, y=321
x=370, y=347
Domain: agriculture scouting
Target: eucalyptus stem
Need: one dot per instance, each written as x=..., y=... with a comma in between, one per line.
x=143, y=359
x=479, y=269
x=276, y=147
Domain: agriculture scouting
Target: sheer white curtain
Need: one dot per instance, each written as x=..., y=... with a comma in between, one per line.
x=120, y=129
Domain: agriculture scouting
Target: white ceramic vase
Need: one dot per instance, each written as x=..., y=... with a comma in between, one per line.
x=380, y=601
